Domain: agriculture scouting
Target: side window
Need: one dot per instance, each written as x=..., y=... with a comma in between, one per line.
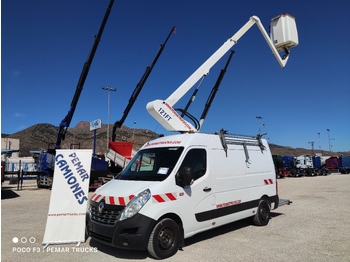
x=196, y=159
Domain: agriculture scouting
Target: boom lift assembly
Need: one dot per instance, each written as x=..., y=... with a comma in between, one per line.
x=121, y=152
x=66, y=121
x=139, y=87
x=211, y=97
x=45, y=177
x=283, y=37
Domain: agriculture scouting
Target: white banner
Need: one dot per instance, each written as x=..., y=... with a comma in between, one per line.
x=69, y=197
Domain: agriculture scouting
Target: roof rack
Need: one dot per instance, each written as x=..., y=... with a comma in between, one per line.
x=245, y=140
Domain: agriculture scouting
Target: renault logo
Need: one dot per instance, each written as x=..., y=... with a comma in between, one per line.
x=101, y=207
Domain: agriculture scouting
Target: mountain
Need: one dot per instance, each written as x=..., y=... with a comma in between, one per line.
x=43, y=136
x=40, y=136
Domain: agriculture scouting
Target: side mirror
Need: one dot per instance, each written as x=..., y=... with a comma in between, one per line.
x=185, y=176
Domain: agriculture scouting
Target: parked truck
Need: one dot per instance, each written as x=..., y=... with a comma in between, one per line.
x=179, y=185
x=344, y=164
x=281, y=170
x=45, y=168
x=289, y=164
x=319, y=167
x=304, y=165
x=332, y=164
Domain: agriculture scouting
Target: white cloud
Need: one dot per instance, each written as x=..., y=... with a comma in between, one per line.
x=19, y=115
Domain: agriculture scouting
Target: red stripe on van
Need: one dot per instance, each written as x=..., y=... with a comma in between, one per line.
x=111, y=200
x=158, y=198
x=96, y=197
x=268, y=181
x=121, y=201
x=170, y=196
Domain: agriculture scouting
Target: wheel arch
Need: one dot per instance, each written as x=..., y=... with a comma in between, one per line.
x=266, y=198
x=178, y=221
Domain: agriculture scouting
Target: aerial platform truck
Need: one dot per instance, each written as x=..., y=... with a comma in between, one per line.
x=46, y=163
x=179, y=185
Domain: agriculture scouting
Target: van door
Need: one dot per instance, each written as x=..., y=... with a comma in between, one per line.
x=198, y=198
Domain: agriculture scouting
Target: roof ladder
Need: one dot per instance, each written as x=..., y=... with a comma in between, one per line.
x=245, y=140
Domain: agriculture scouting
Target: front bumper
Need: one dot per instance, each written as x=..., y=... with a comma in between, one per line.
x=132, y=233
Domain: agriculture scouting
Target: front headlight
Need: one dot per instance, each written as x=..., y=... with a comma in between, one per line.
x=134, y=206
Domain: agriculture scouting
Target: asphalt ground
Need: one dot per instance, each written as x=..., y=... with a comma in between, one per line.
x=315, y=227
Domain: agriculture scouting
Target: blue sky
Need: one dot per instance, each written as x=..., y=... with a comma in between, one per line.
x=44, y=45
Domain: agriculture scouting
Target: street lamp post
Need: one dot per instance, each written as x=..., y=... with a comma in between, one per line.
x=312, y=146
x=109, y=89
x=329, y=141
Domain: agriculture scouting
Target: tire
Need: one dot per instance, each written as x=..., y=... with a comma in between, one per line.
x=38, y=183
x=262, y=216
x=164, y=239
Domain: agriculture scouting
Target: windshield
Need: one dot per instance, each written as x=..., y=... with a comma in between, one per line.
x=154, y=164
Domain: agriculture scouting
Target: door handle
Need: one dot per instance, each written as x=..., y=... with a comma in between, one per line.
x=207, y=189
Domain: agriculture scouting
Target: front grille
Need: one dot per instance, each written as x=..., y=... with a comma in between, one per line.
x=108, y=216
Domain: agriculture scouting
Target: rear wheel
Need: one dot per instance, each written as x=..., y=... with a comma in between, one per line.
x=262, y=216
x=164, y=239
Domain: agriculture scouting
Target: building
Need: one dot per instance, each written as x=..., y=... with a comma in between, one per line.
x=11, y=162
x=9, y=148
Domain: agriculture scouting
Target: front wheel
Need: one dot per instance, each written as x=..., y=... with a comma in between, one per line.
x=262, y=216
x=164, y=239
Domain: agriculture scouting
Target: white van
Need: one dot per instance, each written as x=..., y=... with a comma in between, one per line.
x=179, y=185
